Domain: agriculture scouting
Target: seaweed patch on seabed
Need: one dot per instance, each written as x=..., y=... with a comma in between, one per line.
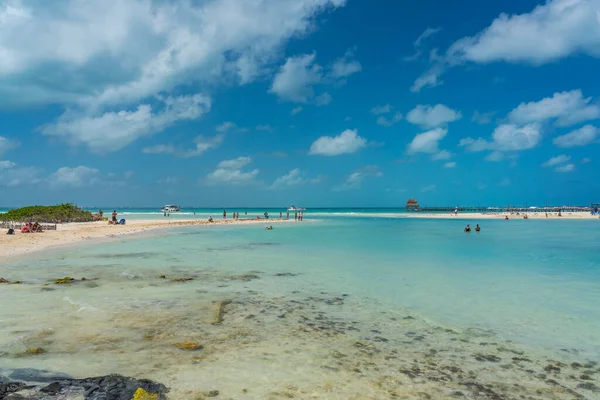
x=311, y=345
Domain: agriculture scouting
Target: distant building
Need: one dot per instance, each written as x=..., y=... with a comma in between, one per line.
x=412, y=205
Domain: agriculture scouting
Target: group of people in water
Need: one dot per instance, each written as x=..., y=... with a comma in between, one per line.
x=468, y=228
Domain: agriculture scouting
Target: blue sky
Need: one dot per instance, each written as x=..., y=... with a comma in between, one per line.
x=221, y=103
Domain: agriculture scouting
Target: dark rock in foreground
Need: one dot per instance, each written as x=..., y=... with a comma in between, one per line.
x=110, y=387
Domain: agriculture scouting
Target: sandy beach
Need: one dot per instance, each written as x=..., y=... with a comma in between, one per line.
x=73, y=233
x=470, y=216
x=531, y=215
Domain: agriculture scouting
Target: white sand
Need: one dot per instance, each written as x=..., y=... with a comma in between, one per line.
x=530, y=215
x=68, y=234
x=72, y=233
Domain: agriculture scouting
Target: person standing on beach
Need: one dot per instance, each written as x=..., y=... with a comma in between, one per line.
x=100, y=213
x=287, y=215
x=114, y=216
x=224, y=214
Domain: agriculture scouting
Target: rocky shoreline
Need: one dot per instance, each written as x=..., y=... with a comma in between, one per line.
x=33, y=384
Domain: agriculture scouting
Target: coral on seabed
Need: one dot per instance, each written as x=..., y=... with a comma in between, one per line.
x=65, y=280
x=35, y=350
x=141, y=394
x=188, y=346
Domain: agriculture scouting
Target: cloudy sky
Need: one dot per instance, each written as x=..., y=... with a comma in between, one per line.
x=314, y=102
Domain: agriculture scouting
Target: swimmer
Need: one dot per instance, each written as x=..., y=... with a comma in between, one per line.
x=269, y=228
x=468, y=228
x=477, y=228
x=506, y=217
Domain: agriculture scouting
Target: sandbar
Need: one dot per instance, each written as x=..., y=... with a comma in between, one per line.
x=77, y=232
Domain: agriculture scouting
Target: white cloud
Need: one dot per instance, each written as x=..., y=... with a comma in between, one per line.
x=296, y=79
x=20, y=176
x=323, y=99
x=427, y=142
x=495, y=156
x=230, y=172
x=151, y=47
x=428, y=33
x=428, y=116
x=428, y=188
x=505, y=182
x=6, y=165
x=430, y=78
x=378, y=110
x=159, y=149
x=113, y=131
x=507, y=137
x=75, y=177
x=202, y=144
x=568, y=108
x=580, y=137
x=442, y=155
x=550, y=32
x=566, y=168
x=482, y=118
x=413, y=57
x=294, y=178
x=554, y=161
x=264, y=128
x=383, y=121
x=231, y=176
x=347, y=142
x=7, y=144
x=236, y=163
x=355, y=179
x=450, y=165
x=169, y=180
x=296, y=110
x=228, y=126
x=345, y=66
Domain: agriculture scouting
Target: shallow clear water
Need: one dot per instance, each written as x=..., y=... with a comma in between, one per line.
x=530, y=284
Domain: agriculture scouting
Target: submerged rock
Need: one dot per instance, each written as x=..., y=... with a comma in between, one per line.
x=2, y=280
x=63, y=281
x=36, y=375
x=192, y=346
x=113, y=387
x=182, y=279
x=35, y=350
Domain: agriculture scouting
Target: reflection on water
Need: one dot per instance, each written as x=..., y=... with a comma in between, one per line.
x=283, y=322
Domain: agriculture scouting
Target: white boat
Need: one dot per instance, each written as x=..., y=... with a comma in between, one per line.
x=170, y=208
x=296, y=209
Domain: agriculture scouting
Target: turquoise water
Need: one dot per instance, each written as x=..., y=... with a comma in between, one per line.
x=530, y=284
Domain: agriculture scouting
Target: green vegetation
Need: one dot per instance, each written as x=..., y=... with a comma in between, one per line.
x=49, y=214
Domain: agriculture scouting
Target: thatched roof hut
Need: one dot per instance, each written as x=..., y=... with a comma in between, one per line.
x=412, y=204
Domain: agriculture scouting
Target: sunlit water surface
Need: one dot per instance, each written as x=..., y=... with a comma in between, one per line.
x=303, y=289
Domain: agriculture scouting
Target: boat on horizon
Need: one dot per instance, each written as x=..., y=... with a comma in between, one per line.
x=169, y=208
